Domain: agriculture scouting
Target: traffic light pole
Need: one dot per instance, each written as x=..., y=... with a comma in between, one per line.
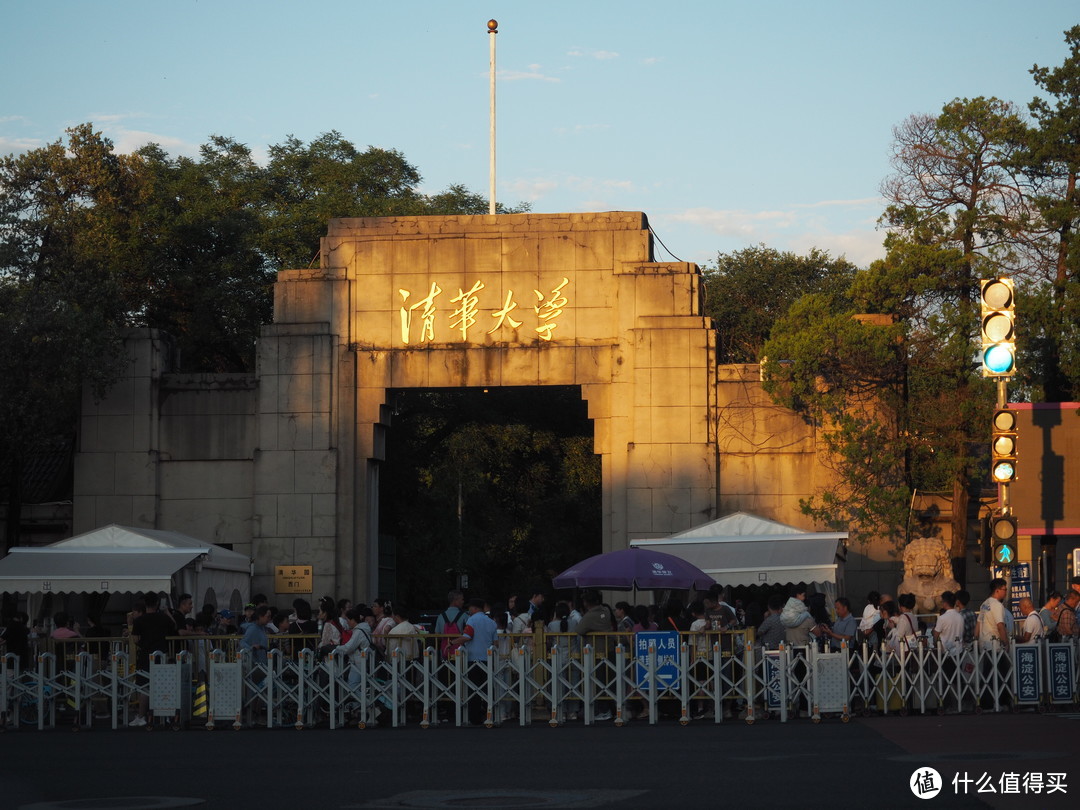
x=1003, y=488
x=997, y=331
x=1003, y=494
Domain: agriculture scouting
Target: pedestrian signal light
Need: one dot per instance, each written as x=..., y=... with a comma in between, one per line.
x=1003, y=446
x=1005, y=554
x=998, y=327
x=1003, y=532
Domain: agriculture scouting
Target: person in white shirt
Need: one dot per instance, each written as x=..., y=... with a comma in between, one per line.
x=1032, y=629
x=949, y=630
x=871, y=613
x=905, y=631
x=992, y=616
x=402, y=636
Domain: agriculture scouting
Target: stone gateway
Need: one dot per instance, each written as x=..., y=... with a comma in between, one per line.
x=285, y=463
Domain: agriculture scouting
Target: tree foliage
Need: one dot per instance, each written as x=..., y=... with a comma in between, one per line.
x=749, y=289
x=1050, y=308
x=955, y=181
x=67, y=217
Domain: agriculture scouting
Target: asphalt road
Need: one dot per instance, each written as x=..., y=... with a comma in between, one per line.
x=865, y=763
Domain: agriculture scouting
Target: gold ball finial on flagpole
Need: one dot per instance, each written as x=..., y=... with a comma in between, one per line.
x=493, y=26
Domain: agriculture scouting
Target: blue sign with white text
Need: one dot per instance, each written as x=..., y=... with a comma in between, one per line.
x=666, y=644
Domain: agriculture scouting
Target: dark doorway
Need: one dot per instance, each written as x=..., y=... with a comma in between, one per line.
x=497, y=486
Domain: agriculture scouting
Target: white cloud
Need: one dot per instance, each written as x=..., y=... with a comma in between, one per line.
x=18, y=145
x=114, y=118
x=859, y=246
x=595, y=189
x=532, y=189
x=260, y=154
x=735, y=222
x=7, y=119
x=652, y=60
x=838, y=226
x=878, y=202
x=532, y=73
x=128, y=140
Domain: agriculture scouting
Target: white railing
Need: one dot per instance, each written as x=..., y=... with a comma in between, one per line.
x=713, y=683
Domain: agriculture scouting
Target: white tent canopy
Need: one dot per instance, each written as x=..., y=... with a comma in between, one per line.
x=119, y=559
x=744, y=549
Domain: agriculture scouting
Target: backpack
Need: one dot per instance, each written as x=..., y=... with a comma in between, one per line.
x=451, y=629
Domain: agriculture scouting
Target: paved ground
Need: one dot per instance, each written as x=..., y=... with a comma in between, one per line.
x=865, y=763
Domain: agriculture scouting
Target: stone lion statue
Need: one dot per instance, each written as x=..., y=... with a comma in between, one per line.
x=927, y=572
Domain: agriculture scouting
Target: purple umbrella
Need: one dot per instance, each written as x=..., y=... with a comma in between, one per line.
x=629, y=568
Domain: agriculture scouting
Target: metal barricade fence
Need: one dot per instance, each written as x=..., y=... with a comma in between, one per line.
x=551, y=677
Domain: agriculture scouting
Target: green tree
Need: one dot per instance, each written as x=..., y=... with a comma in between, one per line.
x=1050, y=306
x=458, y=199
x=958, y=213
x=205, y=278
x=955, y=180
x=68, y=217
x=878, y=370
x=307, y=185
x=750, y=289
x=845, y=374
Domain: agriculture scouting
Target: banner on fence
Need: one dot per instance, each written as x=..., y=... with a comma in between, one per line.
x=772, y=679
x=1026, y=674
x=1061, y=667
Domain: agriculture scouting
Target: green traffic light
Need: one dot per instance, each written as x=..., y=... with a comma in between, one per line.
x=1004, y=472
x=1000, y=358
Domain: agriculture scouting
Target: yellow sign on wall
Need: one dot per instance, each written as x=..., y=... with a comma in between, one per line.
x=292, y=579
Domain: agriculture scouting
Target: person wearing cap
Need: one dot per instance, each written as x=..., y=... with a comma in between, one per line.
x=223, y=623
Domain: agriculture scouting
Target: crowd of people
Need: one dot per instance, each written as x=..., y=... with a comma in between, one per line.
x=382, y=629
x=803, y=619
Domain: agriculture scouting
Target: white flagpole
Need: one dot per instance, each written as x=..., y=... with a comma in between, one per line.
x=493, y=29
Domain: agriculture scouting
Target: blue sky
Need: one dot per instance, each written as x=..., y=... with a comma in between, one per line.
x=729, y=124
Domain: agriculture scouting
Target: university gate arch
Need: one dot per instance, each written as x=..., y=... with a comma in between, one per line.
x=485, y=301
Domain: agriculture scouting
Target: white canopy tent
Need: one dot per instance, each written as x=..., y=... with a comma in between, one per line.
x=744, y=549
x=120, y=559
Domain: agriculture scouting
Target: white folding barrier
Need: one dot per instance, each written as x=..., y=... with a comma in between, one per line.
x=648, y=680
